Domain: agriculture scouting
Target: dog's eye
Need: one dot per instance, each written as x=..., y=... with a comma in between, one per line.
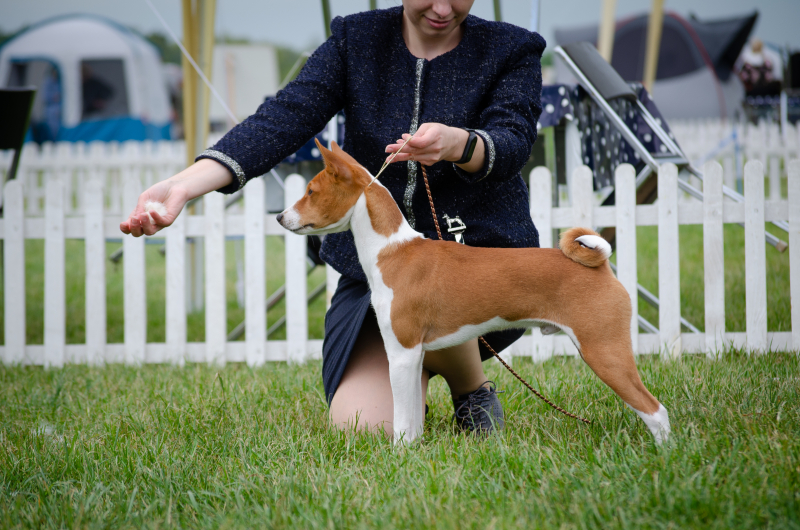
x=310, y=191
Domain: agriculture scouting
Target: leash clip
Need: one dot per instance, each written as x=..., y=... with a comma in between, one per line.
x=456, y=227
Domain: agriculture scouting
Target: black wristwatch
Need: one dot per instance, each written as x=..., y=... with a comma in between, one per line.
x=469, y=149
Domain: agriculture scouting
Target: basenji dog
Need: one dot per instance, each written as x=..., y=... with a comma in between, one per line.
x=432, y=294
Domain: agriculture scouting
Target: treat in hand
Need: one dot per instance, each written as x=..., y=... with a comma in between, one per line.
x=156, y=206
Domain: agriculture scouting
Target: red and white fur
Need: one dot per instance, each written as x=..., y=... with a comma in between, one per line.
x=429, y=295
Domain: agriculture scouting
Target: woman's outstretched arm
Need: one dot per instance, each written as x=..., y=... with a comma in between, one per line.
x=198, y=179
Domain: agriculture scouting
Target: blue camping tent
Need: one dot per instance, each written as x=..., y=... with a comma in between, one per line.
x=96, y=80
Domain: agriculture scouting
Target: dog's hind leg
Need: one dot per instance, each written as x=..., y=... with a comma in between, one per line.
x=405, y=372
x=615, y=366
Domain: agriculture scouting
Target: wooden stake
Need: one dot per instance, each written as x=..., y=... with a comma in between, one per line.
x=605, y=37
x=654, y=27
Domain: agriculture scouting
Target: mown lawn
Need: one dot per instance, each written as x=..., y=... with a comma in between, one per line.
x=157, y=446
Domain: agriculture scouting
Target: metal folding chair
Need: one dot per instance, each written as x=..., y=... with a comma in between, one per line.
x=604, y=84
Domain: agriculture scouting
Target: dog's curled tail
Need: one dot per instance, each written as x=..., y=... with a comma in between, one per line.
x=585, y=246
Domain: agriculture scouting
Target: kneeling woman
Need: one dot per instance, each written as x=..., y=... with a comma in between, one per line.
x=470, y=92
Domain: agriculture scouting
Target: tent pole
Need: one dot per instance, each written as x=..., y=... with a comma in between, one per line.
x=654, y=28
x=198, y=35
x=534, y=15
x=497, y=16
x=605, y=36
x=373, y=5
x=189, y=79
x=326, y=17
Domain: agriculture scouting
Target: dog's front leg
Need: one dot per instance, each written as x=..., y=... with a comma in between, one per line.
x=405, y=374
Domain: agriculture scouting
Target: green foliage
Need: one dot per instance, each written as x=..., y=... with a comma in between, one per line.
x=287, y=59
x=202, y=447
x=170, y=53
x=8, y=36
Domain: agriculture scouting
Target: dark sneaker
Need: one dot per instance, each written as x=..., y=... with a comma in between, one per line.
x=479, y=410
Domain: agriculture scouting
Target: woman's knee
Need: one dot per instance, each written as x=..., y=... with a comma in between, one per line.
x=363, y=399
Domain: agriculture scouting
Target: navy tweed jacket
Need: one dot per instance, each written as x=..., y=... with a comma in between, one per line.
x=491, y=82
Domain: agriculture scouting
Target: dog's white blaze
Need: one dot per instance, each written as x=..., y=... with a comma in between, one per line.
x=471, y=331
x=597, y=243
x=658, y=423
x=291, y=219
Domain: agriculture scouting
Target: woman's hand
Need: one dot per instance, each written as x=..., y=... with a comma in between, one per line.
x=435, y=142
x=198, y=179
x=169, y=193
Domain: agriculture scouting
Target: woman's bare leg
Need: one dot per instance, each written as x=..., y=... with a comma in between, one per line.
x=459, y=365
x=365, y=393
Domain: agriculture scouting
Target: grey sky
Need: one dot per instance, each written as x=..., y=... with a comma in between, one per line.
x=298, y=23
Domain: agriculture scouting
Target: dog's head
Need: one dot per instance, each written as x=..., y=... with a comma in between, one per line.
x=330, y=197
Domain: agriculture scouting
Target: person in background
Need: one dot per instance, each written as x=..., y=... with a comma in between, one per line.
x=759, y=71
x=52, y=104
x=96, y=93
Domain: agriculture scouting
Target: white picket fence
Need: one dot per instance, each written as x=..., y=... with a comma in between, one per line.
x=667, y=214
x=149, y=162
x=704, y=140
x=96, y=224
x=76, y=163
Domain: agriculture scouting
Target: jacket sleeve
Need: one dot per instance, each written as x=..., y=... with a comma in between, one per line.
x=282, y=124
x=508, y=122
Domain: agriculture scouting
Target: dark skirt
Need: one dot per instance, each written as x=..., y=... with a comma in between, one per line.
x=349, y=308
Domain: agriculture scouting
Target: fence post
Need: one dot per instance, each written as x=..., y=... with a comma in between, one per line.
x=669, y=275
x=794, y=249
x=582, y=197
x=55, y=321
x=296, y=278
x=216, y=314
x=625, y=195
x=541, y=190
x=254, y=273
x=133, y=269
x=755, y=259
x=14, y=272
x=713, y=258
x=95, y=250
x=176, y=290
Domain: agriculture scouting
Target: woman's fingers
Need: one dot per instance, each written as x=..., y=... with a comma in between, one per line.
x=426, y=147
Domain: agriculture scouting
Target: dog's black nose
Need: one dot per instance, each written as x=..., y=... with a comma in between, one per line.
x=280, y=217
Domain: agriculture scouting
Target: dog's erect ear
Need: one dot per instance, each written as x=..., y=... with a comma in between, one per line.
x=333, y=161
x=322, y=149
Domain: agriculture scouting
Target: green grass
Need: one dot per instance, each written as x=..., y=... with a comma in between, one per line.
x=159, y=446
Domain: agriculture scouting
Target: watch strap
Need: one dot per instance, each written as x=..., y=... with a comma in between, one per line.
x=469, y=149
